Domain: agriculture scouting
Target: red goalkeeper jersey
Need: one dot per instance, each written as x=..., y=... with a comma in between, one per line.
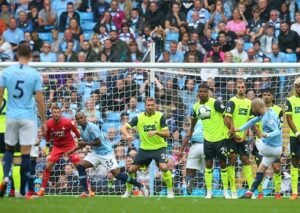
x=60, y=132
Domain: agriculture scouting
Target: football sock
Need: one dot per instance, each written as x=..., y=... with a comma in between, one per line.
x=7, y=162
x=32, y=175
x=258, y=179
x=248, y=175
x=16, y=178
x=25, y=172
x=224, y=177
x=231, y=177
x=277, y=182
x=127, y=179
x=82, y=178
x=189, y=179
x=260, y=188
x=167, y=177
x=128, y=185
x=1, y=171
x=45, y=179
x=294, y=174
x=208, y=179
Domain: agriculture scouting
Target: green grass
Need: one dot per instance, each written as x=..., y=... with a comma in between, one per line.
x=153, y=205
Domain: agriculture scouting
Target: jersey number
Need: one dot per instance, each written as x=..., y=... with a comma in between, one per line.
x=109, y=163
x=20, y=90
x=3, y=107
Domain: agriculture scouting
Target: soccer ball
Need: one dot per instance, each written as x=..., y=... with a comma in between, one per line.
x=204, y=112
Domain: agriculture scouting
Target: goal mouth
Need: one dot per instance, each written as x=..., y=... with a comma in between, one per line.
x=113, y=93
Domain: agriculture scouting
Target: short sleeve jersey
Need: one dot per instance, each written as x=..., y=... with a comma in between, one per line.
x=213, y=124
x=3, y=112
x=293, y=109
x=145, y=124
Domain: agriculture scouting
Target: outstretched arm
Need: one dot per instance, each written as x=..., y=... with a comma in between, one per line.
x=250, y=123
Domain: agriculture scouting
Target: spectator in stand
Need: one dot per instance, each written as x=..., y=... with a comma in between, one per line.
x=176, y=56
x=216, y=54
x=218, y=15
x=6, y=53
x=99, y=8
x=146, y=38
x=207, y=73
x=55, y=41
x=37, y=4
x=207, y=40
x=87, y=86
x=92, y=114
x=66, y=17
x=174, y=19
x=296, y=26
x=239, y=55
x=105, y=20
x=96, y=44
x=158, y=36
x=136, y=22
x=5, y=14
x=13, y=35
x=70, y=54
x=126, y=7
x=183, y=44
x=264, y=8
x=288, y=40
x=142, y=6
x=225, y=45
x=188, y=94
x=119, y=96
x=131, y=87
x=134, y=54
x=132, y=109
x=37, y=42
x=24, y=23
x=91, y=55
x=195, y=25
x=102, y=33
x=154, y=17
x=255, y=27
x=228, y=92
x=202, y=12
x=125, y=34
x=47, y=55
x=259, y=54
x=165, y=57
x=119, y=46
x=66, y=89
x=86, y=6
x=68, y=36
x=36, y=56
x=113, y=136
x=193, y=50
x=276, y=55
x=284, y=13
x=237, y=25
x=33, y=16
x=268, y=39
x=274, y=21
x=77, y=33
x=46, y=17
x=49, y=88
x=117, y=16
x=72, y=177
x=229, y=35
x=251, y=56
x=28, y=39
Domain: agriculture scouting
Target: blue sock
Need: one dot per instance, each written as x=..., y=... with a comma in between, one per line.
x=188, y=178
x=258, y=179
x=12, y=182
x=7, y=162
x=25, y=172
x=126, y=178
x=82, y=178
x=32, y=175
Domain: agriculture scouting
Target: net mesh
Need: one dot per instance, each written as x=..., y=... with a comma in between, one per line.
x=111, y=97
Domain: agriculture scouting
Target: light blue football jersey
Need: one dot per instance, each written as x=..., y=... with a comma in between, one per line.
x=197, y=136
x=92, y=132
x=21, y=81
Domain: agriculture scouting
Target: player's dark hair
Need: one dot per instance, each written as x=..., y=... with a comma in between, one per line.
x=24, y=50
x=270, y=90
x=203, y=86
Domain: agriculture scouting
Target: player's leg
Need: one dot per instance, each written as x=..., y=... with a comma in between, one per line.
x=232, y=159
x=161, y=158
x=209, y=154
x=11, y=139
x=221, y=150
x=295, y=153
x=258, y=159
x=89, y=161
x=31, y=193
x=277, y=178
x=193, y=164
x=244, y=151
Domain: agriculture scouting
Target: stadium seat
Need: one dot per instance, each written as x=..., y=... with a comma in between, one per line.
x=87, y=35
x=45, y=36
x=108, y=125
x=88, y=26
x=247, y=45
x=86, y=17
x=140, y=106
x=167, y=45
x=214, y=35
x=291, y=57
x=113, y=116
x=172, y=36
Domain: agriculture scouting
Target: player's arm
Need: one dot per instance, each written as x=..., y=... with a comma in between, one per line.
x=125, y=127
x=250, y=123
x=219, y=106
x=228, y=117
x=1, y=96
x=164, y=132
x=275, y=129
x=289, y=118
x=280, y=116
x=194, y=121
x=75, y=130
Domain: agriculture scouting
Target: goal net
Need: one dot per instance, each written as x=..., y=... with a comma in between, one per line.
x=111, y=94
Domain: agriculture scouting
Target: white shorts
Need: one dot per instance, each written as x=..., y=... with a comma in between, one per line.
x=22, y=131
x=195, y=159
x=269, y=153
x=108, y=161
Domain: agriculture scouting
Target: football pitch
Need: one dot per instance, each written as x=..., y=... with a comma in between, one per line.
x=154, y=205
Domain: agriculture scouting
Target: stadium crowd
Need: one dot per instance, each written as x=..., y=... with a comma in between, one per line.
x=204, y=31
